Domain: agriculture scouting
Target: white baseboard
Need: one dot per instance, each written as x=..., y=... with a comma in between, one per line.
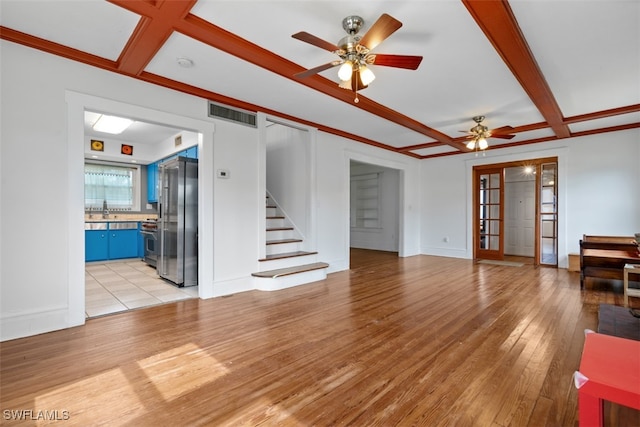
x=20, y=325
x=284, y=282
x=227, y=287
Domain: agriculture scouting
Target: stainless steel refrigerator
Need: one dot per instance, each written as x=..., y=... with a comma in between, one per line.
x=178, y=221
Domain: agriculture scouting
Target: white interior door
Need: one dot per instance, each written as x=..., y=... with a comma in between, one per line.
x=520, y=211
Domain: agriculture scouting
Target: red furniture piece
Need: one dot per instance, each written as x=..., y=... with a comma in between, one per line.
x=609, y=370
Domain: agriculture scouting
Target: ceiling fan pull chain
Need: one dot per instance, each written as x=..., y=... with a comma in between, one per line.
x=357, y=75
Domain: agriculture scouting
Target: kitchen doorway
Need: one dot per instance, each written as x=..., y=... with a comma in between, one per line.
x=515, y=211
x=121, y=192
x=77, y=104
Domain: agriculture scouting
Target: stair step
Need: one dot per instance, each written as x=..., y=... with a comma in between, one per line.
x=278, y=242
x=287, y=255
x=291, y=270
x=280, y=229
x=275, y=217
x=272, y=207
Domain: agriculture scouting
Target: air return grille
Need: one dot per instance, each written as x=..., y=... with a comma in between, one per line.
x=238, y=116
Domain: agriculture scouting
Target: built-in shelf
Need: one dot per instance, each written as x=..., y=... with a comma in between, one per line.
x=365, y=200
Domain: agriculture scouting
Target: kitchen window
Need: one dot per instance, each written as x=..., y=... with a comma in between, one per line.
x=114, y=184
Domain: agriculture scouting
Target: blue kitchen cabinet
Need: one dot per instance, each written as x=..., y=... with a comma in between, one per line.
x=152, y=182
x=117, y=240
x=191, y=153
x=123, y=244
x=96, y=245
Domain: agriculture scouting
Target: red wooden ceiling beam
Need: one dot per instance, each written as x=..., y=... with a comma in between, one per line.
x=105, y=64
x=498, y=23
x=152, y=31
x=604, y=113
x=617, y=128
x=420, y=146
x=232, y=44
x=164, y=20
x=55, y=48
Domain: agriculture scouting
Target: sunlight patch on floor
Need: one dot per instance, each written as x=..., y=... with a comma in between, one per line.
x=84, y=398
x=181, y=370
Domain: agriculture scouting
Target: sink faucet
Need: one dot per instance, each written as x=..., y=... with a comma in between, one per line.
x=105, y=211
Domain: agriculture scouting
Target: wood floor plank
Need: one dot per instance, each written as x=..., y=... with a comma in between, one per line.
x=425, y=341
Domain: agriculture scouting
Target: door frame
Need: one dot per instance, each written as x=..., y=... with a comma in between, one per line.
x=479, y=252
x=480, y=169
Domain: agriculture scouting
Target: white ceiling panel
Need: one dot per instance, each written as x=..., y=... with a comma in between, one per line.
x=434, y=150
x=589, y=51
x=533, y=134
x=587, y=54
x=92, y=26
x=221, y=73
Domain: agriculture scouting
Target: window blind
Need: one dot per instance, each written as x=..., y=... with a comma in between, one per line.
x=110, y=183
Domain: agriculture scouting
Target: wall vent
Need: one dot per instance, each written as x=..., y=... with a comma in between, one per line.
x=238, y=116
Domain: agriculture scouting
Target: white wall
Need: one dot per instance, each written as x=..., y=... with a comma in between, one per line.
x=238, y=200
x=41, y=209
x=604, y=186
x=143, y=153
x=385, y=237
x=288, y=157
x=599, y=191
x=42, y=156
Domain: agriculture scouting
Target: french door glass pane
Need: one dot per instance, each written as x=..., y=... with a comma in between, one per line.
x=549, y=214
x=489, y=214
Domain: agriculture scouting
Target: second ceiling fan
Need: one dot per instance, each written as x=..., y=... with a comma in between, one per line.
x=479, y=134
x=355, y=52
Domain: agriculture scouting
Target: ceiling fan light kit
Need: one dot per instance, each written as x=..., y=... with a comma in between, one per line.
x=345, y=71
x=354, y=52
x=366, y=75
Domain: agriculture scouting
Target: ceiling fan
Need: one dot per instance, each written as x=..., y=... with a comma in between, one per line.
x=479, y=134
x=355, y=52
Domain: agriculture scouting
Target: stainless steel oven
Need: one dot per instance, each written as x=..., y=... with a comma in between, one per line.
x=149, y=232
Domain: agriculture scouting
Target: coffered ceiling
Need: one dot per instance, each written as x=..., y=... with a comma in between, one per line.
x=550, y=69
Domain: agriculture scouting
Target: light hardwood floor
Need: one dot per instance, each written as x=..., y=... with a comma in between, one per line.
x=424, y=341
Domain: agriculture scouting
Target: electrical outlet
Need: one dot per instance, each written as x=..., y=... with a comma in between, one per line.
x=223, y=173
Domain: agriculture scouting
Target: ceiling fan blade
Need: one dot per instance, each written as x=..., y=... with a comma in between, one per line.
x=501, y=136
x=380, y=30
x=399, y=61
x=316, y=41
x=503, y=130
x=316, y=70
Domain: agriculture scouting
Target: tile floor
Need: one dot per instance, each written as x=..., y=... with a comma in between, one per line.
x=116, y=286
